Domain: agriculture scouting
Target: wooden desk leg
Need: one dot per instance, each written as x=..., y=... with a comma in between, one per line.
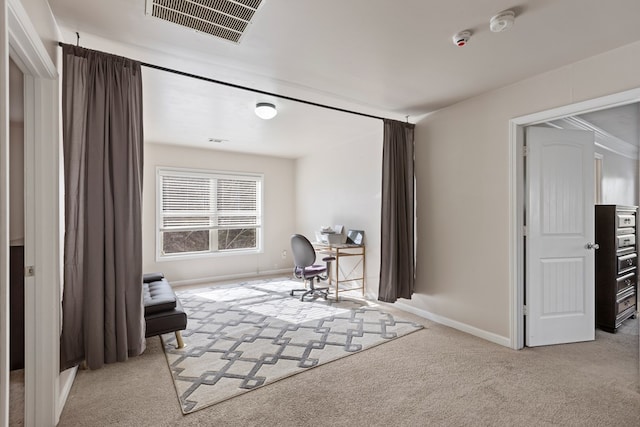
x=337, y=274
x=364, y=270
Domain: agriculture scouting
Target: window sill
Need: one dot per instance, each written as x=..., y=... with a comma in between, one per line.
x=188, y=257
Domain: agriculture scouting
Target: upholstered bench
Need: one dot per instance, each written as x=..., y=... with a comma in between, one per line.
x=163, y=312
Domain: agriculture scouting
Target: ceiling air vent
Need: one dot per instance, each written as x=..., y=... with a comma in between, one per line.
x=226, y=19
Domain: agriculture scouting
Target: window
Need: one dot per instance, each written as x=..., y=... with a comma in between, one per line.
x=203, y=212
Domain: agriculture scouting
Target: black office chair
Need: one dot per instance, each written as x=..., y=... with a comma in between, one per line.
x=304, y=257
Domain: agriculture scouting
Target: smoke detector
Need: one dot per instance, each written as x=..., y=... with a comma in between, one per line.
x=502, y=21
x=462, y=38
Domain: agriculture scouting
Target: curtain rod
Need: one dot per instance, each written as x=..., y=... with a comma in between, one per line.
x=262, y=92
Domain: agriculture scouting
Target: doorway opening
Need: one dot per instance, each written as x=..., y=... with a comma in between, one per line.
x=518, y=194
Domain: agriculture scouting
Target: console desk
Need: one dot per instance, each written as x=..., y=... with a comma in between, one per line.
x=338, y=276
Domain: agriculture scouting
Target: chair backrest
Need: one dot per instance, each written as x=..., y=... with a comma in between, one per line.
x=303, y=253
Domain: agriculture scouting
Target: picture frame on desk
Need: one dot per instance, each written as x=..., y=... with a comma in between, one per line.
x=355, y=237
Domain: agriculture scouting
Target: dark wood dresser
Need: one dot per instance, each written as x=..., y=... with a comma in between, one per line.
x=616, y=265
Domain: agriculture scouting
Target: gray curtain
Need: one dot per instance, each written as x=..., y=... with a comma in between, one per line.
x=397, y=263
x=102, y=308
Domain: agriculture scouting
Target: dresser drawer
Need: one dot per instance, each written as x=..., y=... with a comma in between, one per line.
x=625, y=302
x=626, y=220
x=625, y=281
x=627, y=262
x=626, y=240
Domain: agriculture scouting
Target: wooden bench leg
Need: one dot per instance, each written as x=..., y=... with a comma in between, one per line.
x=179, y=340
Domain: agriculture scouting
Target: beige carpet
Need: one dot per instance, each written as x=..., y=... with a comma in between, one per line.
x=16, y=398
x=434, y=377
x=243, y=336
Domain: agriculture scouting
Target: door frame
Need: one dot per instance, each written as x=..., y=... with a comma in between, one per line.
x=517, y=195
x=43, y=385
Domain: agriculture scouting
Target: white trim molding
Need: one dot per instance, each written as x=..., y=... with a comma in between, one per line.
x=42, y=250
x=42, y=217
x=472, y=330
x=25, y=43
x=604, y=139
x=4, y=218
x=64, y=388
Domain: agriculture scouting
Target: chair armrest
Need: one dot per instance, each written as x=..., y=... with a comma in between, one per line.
x=329, y=258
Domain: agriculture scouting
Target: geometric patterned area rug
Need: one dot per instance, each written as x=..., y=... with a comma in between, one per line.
x=243, y=336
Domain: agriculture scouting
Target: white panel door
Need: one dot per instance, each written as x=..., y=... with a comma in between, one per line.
x=560, y=260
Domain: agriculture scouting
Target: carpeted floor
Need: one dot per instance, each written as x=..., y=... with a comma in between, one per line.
x=436, y=376
x=16, y=399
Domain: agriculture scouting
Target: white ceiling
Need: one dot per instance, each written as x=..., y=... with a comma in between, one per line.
x=394, y=57
x=622, y=122
x=190, y=112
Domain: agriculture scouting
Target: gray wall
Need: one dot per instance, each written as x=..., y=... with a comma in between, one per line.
x=462, y=172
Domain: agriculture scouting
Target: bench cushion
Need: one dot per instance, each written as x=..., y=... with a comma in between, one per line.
x=158, y=296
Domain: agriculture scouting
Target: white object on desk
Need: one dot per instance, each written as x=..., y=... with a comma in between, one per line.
x=331, y=235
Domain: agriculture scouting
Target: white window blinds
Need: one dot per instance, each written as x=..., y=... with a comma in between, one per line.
x=186, y=202
x=190, y=202
x=237, y=202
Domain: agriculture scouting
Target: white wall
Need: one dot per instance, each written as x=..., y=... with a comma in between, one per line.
x=341, y=184
x=462, y=172
x=279, y=213
x=619, y=179
x=16, y=155
x=16, y=183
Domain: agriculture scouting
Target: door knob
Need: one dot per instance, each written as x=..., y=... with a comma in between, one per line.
x=592, y=246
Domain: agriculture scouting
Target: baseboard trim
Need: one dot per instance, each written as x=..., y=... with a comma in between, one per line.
x=203, y=280
x=472, y=330
x=65, y=381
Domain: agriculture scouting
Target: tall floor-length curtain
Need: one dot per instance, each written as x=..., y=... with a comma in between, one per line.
x=397, y=264
x=102, y=308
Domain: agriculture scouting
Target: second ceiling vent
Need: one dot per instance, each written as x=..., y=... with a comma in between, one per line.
x=225, y=19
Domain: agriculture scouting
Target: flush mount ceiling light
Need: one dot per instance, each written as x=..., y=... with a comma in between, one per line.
x=265, y=110
x=502, y=21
